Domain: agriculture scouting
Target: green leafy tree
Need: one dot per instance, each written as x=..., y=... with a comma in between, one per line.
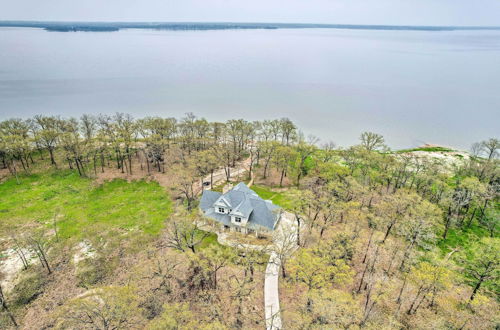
x=302, y=165
x=393, y=209
x=48, y=134
x=333, y=309
x=481, y=264
x=282, y=158
x=430, y=280
x=316, y=272
x=418, y=230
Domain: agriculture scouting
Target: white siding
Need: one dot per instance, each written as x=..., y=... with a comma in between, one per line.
x=242, y=223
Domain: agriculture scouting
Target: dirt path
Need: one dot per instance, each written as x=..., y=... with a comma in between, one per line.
x=167, y=179
x=219, y=176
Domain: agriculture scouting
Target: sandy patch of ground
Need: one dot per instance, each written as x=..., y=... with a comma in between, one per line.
x=447, y=159
x=10, y=266
x=84, y=250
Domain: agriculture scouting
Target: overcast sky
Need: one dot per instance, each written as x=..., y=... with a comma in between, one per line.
x=410, y=12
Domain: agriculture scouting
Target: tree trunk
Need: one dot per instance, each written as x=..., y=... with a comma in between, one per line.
x=476, y=288
x=447, y=223
x=362, y=280
x=124, y=165
x=266, y=165
x=398, y=301
x=420, y=303
x=95, y=164
x=23, y=258
x=130, y=163
x=5, y=307
x=387, y=232
x=78, y=167
x=13, y=170
x=469, y=223
x=283, y=271
x=102, y=162
x=483, y=209
x=414, y=300
x=147, y=160
x=368, y=246
x=52, y=160
x=43, y=257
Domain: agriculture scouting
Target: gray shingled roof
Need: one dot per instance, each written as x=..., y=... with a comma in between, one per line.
x=245, y=208
x=260, y=213
x=208, y=199
x=244, y=188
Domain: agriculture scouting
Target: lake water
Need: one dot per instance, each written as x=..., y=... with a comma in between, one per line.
x=411, y=86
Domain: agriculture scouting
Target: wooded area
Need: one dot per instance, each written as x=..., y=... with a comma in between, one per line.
x=387, y=239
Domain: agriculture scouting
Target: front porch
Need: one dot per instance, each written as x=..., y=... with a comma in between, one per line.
x=238, y=229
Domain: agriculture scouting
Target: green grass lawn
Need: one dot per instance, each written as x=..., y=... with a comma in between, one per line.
x=278, y=198
x=428, y=149
x=462, y=238
x=209, y=240
x=83, y=208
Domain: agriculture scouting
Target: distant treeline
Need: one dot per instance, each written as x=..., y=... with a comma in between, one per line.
x=116, y=26
x=71, y=28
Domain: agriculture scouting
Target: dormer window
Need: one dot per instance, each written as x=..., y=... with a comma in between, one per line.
x=221, y=209
x=237, y=219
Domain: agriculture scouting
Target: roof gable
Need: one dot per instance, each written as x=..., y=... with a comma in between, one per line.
x=222, y=200
x=245, y=208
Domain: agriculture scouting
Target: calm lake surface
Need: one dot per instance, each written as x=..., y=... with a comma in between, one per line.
x=411, y=86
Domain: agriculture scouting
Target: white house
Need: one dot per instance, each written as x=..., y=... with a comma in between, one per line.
x=240, y=209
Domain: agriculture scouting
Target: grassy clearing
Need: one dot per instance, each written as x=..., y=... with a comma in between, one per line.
x=462, y=238
x=428, y=149
x=82, y=208
x=278, y=198
x=209, y=240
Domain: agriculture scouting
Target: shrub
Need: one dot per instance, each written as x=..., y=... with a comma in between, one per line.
x=92, y=271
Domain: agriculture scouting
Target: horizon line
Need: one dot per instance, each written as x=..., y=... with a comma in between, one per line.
x=277, y=24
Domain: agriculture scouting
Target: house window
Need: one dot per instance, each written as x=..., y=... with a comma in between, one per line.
x=236, y=219
x=221, y=209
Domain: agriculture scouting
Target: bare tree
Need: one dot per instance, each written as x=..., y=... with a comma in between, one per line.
x=183, y=232
x=38, y=244
x=490, y=147
x=285, y=243
x=371, y=141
